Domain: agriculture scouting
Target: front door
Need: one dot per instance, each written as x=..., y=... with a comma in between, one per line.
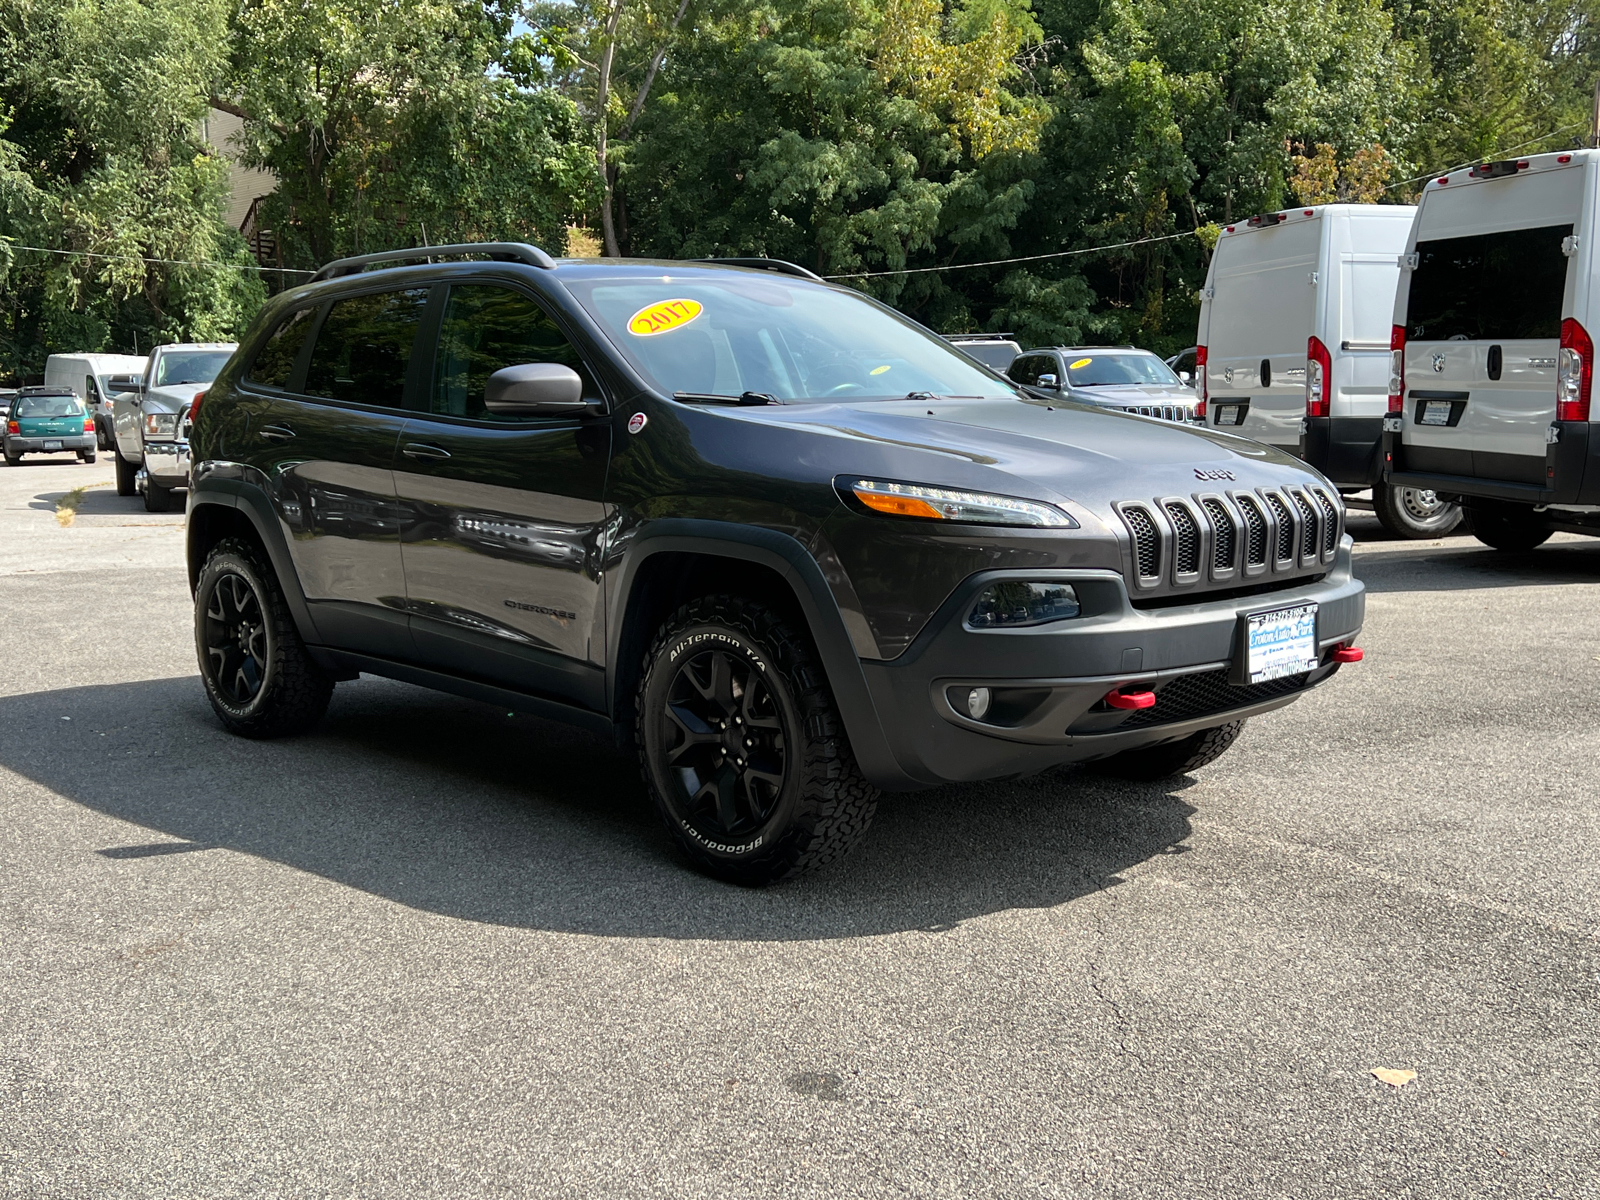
x=502, y=548
x=327, y=449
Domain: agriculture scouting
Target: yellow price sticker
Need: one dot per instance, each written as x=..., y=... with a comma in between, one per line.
x=1082, y=362
x=878, y=370
x=663, y=317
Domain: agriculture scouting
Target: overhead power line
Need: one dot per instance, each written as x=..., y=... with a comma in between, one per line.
x=1000, y=262
x=177, y=262
x=1543, y=137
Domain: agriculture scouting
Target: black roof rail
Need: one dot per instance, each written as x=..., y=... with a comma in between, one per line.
x=763, y=264
x=499, y=251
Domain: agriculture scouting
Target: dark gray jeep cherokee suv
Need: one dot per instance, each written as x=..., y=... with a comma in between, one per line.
x=790, y=545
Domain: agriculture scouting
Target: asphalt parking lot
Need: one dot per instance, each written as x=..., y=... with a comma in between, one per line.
x=439, y=949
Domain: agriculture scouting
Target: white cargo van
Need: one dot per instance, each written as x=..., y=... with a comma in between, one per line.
x=1294, y=345
x=1493, y=349
x=89, y=377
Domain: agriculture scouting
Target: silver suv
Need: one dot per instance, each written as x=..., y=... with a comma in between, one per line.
x=1119, y=377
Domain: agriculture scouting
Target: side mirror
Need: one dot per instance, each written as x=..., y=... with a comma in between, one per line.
x=126, y=383
x=534, y=390
x=1186, y=377
x=1049, y=382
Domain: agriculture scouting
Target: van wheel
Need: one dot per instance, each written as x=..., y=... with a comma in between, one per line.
x=1414, y=512
x=1172, y=758
x=126, y=472
x=1508, y=527
x=257, y=674
x=742, y=748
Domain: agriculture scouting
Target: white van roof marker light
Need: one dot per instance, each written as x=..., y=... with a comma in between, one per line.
x=1498, y=170
x=1261, y=220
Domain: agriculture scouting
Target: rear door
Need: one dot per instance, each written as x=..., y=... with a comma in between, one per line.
x=502, y=548
x=1263, y=309
x=1483, y=325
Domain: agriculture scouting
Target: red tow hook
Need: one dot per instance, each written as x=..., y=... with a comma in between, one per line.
x=1131, y=699
x=1348, y=654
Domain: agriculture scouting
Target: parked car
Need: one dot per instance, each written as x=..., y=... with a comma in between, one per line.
x=1183, y=364
x=47, y=420
x=1123, y=378
x=152, y=419
x=787, y=545
x=1294, y=332
x=994, y=350
x=1492, y=369
x=7, y=395
x=89, y=377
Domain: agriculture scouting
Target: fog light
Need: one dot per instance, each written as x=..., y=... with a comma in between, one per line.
x=978, y=703
x=1013, y=604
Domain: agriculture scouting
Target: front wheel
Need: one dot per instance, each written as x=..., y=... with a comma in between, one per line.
x=1508, y=528
x=1172, y=758
x=257, y=674
x=742, y=748
x=157, y=499
x=127, y=472
x=1414, y=512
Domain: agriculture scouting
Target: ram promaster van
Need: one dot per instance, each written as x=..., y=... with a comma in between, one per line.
x=1310, y=292
x=89, y=377
x=1493, y=348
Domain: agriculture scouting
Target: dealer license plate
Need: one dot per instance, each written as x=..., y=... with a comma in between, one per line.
x=52, y=445
x=1436, y=412
x=1229, y=414
x=1280, y=642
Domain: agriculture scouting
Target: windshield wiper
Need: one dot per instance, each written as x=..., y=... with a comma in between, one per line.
x=926, y=396
x=743, y=400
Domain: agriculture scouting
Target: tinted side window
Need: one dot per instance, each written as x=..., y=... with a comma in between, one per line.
x=364, y=347
x=274, y=363
x=486, y=328
x=1491, y=286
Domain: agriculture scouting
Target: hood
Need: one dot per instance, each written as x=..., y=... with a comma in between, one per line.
x=1130, y=395
x=172, y=397
x=1090, y=457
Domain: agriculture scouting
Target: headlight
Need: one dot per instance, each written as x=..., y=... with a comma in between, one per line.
x=160, y=425
x=1013, y=604
x=942, y=504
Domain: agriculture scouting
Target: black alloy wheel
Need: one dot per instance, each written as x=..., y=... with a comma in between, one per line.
x=234, y=638
x=258, y=675
x=742, y=748
x=722, y=733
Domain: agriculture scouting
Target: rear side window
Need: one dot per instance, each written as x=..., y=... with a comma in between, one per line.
x=364, y=348
x=486, y=328
x=275, y=361
x=1489, y=287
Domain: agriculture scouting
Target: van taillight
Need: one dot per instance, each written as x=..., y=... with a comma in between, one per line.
x=1319, y=378
x=1397, y=368
x=1200, y=381
x=1574, y=372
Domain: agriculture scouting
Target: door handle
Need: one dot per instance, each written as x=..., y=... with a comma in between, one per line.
x=425, y=452
x=276, y=433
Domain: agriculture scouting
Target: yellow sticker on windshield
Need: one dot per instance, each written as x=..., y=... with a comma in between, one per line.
x=1082, y=362
x=663, y=317
x=877, y=370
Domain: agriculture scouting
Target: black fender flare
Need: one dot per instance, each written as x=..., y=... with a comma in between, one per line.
x=793, y=563
x=253, y=505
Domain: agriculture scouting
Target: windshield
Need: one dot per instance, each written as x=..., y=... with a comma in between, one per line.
x=190, y=366
x=1088, y=369
x=727, y=334
x=48, y=406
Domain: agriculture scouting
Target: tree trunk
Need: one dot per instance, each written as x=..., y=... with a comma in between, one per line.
x=602, y=101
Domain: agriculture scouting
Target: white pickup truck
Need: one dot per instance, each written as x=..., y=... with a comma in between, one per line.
x=150, y=414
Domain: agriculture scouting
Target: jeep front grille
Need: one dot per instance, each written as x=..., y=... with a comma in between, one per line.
x=1163, y=412
x=1231, y=538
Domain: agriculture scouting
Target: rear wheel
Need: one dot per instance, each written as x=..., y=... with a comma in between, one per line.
x=1414, y=512
x=741, y=747
x=1508, y=527
x=12, y=459
x=258, y=676
x=86, y=456
x=1172, y=758
x=126, y=472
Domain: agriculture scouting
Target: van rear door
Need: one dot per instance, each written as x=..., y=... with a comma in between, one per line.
x=1262, y=309
x=1483, y=325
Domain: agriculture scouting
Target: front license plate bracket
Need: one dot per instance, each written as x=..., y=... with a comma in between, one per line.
x=1274, y=643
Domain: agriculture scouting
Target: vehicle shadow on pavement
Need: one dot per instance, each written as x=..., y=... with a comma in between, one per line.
x=1454, y=569
x=101, y=500
x=461, y=809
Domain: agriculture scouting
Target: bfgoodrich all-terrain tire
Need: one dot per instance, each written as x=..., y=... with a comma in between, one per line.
x=1413, y=512
x=1172, y=758
x=741, y=747
x=1508, y=527
x=257, y=674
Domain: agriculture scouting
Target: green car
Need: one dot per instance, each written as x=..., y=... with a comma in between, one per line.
x=48, y=420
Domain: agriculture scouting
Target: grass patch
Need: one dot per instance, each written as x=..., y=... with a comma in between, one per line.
x=67, y=506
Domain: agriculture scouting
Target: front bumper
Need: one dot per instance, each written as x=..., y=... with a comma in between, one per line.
x=1571, y=469
x=167, y=463
x=1049, y=682
x=35, y=445
x=1345, y=449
